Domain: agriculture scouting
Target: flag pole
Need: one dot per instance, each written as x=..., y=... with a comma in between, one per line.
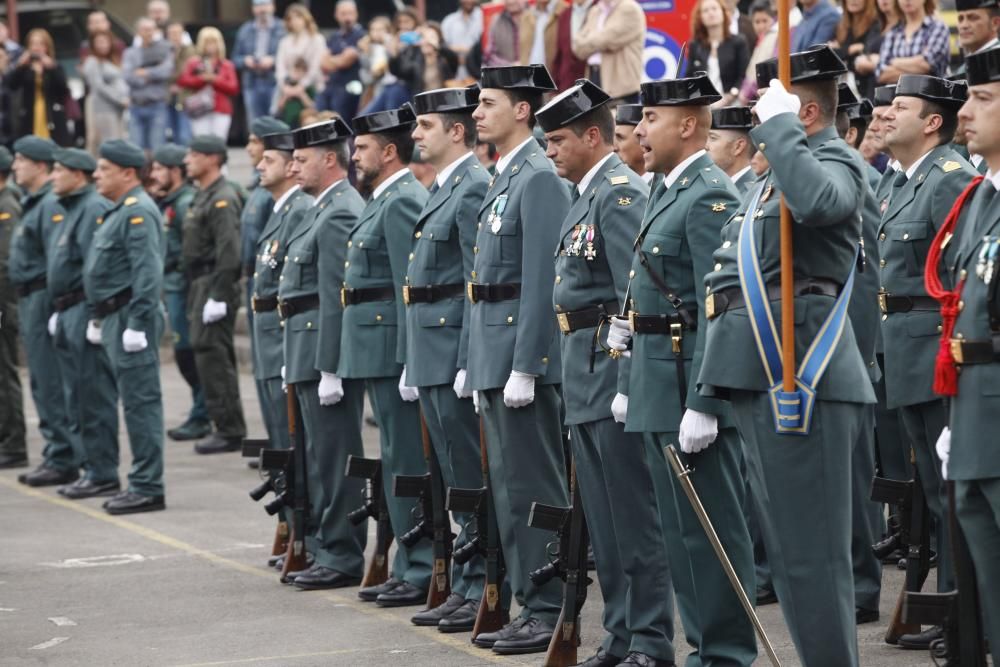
x=787, y=273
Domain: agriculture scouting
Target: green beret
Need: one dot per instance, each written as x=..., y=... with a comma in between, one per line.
x=208, y=144
x=6, y=159
x=123, y=153
x=268, y=125
x=170, y=155
x=36, y=148
x=75, y=158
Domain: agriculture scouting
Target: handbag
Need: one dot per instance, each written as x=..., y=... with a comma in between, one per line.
x=201, y=102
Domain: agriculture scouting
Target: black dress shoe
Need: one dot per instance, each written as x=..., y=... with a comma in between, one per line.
x=371, y=593
x=636, y=659
x=765, y=596
x=404, y=595
x=272, y=561
x=462, y=619
x=216, y=444
x=253, y=464
x=488, y=639
x=87, y=488
x=8, y=461
x=862, y=615
x=117, y=496
x=295, y=574
x=431, y=617
x=133, y=503
x=921, y=641
x=601, y=659
x=46, y=476
x=192, y=429
x=321, y=578
x=532, y=637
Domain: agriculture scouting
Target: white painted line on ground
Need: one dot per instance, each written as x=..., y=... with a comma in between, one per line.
x=62, y=621
x=7, y=609
x=98, y=561
x=55, y=641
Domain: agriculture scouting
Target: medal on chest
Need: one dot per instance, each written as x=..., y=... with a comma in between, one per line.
x=582, y=243
x=270, y=255
x=168, y=216
x=986, y=264
x=496, y=213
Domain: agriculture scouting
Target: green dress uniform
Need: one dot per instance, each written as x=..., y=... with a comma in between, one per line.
x=822, y=182
x=13, y=446
x=911, y=320
x=616, y=485
x=253, y=218
x=673, y=253
x=123, y=278
x=33, y=236
x=91, y=393
x=211, y=252
x=443, y=253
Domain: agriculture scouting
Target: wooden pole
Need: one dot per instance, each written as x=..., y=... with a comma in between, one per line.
x=787, y=272
x=12, y=26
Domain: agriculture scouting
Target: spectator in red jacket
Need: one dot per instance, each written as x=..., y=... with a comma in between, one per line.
x=212, y=81
x=566, y=67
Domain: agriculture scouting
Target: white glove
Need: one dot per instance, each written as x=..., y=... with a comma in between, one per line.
x=134, y=341
x=459, y=386
x=943, y=448
x=519, y=390
x=94, y=332
x=53, y=320
x=331, y=388
x=475, y=401
x=213, y=311
x=407, y=393
x=776, y=101
x=284, y=387
x=698, y=431
x=619, y=334
x=619, y=408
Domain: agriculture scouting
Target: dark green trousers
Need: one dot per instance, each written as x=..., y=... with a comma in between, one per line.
x=923, y=424
x=138, y=377
x=91, y=394
x=454, y=430
x=333, y=433
x=802, y=488
x=726, y=634
x=526, y=462
x=402, y=454
x=215, y=357
x=46, y=382
x=867, y=520
x=12, y=434
x=274, y=409
x=619, y=502
x=977, y=504
x=893, y=450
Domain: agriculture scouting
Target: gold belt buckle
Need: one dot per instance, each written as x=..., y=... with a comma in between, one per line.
x=406, y=294
x=469, y=292
x=253, y=303
x=563, y=321
x=343, y=297
x=882, y=304
x=676, y=333
x=631, y=320
x=956, y=351
x=710, y=306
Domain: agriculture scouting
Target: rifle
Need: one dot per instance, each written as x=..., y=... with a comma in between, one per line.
x=957, y=611
x=374, y=506
x=899, y=495
x=434, y=521
x=276, y=481
x=295, y=556
x=570, y=565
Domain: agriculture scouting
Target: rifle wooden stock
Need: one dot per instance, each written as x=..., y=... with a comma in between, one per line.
x=440, y=588
x=295, y=554
x=491, y=616
x=280, y=545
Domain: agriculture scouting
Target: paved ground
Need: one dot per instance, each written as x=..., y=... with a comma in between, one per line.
x=189, y=586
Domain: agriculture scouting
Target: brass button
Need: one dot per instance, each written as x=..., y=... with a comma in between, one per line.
x=631, y=274
x=939, y=328
x=431, y=235
x=545, y=360
x=881, y=262
x=347, y=264
x=510, y=319
x=309, y=325
x=411, y=256
x=959, y=336
x=558, y=308
x=475, y=250
x=361, y=244
x=961, y=306
x=726, y=244
x=441, y=321
x=656, y=249
x=254, y=274
x=418, y=235
x=296, y=258
x=963, y=274
x=871, y=364
x=885, y=317
x=881, y=237
x=718, y=267
x=473, y=274
x=761, y=146
x=281, y=323
x=479, y=226
x=906, y=237
x=378, y=318
x=281, y=277
x=350, y=244
x=558, y=279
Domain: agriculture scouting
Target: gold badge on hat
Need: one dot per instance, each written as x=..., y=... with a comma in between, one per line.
x=718, y=207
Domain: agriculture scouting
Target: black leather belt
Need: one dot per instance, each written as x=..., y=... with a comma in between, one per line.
x=719, y=302
x=431, y=293
x=352, y=296
x=891, y=303
x=662, y=324
x=30, y=287
x=585, y=318
x=298, y=304
x=68, y=300
x=969, y=352
x=108, y=306
x=200, y=269
x=492, y=293
x=263, y=304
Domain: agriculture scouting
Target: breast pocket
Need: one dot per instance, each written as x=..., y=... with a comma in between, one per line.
x=437, y=239
x=660, y=250
x=506, y=244
x=910, y=239
x=369, y=253
x=105, y=258
x=300, y=268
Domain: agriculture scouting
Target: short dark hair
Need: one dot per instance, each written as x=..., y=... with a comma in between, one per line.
x=601, y=118
x=949, y=120
x=843, y=124
x=824, y=93
x=401, y=139
x=450, y=120
x=532, y=97
x=763, y=6
x=341, y=150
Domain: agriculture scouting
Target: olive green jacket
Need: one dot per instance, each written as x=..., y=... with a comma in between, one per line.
x=175, y=207
x=10, y=214
x=32, y=237
x=80, y=211
x=211, y=238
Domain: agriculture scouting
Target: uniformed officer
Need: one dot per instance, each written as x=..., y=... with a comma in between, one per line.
x=33, y=236
x=373, y=344
x=88, y=381
x=513, y=344
x=331, y=407
x=211, y=251
x=627, y=147
x=876, y=130
x=673, y=252
x=616, y=486
x=978, y=22
x=853, y=116
x=919, y=127
x=802, y=458
x=729, y=145
x=444, y=248
x=13, y=447
x=123, y=278
x=175, y=197
x=967, y=449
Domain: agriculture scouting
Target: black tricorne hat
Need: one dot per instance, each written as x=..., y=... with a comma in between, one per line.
x=320, y=134
x=815, y=64
x=524, y=77
x=278, y=141
x=966, y=5
x=385, y=121
x=950, y=94
x=579, y=99
x=694, y=90
x=732, y=118
x=628, y=114
x=447, y=100
x=884, y=95
x=983, y=67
